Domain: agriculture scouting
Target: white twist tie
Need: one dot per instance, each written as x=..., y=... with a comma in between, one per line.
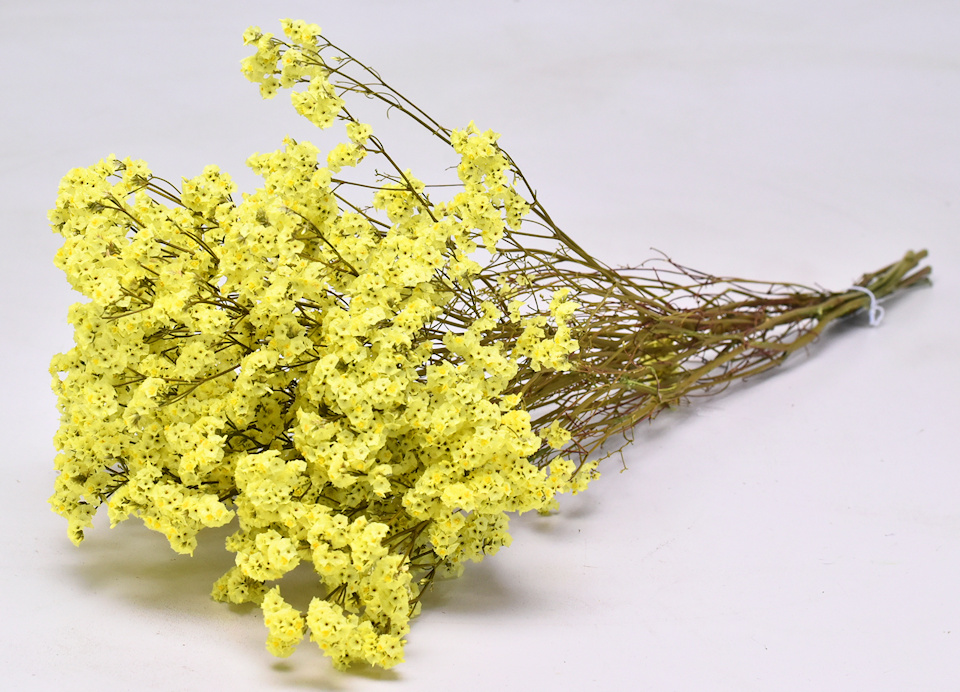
x=875, y=310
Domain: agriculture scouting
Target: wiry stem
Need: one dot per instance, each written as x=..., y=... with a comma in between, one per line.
x=639, y=356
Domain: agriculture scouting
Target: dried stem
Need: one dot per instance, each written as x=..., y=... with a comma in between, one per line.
x=641, y=355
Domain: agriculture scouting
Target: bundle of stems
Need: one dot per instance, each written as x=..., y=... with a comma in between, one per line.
x=346, y=380
x=653, y=337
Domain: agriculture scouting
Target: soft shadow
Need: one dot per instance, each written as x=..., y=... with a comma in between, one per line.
x=307, y=669
x=480, y=591
x=138, y=565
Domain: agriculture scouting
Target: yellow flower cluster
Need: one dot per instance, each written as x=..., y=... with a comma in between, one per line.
x=319, y=373
x=273, y=67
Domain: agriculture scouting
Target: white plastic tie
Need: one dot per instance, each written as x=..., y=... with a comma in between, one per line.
x=875, y=311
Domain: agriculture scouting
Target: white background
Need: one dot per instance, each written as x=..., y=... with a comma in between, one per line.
x=800, y=532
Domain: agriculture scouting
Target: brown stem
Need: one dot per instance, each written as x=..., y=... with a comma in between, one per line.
x=632, y=364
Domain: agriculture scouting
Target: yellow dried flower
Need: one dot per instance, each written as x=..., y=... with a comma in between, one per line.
x=345, y=380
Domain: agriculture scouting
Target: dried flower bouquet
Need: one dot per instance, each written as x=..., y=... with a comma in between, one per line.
x=369, y=377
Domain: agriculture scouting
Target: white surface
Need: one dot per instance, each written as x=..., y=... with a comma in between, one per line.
x=801, y=532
